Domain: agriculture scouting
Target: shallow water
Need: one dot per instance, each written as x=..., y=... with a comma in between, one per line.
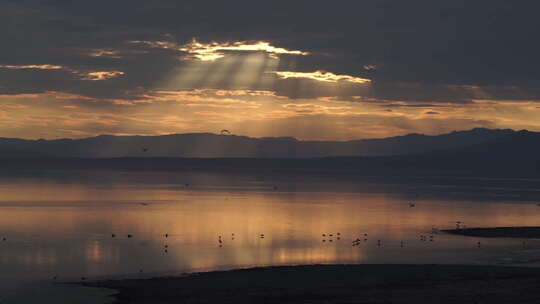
x=61, y=225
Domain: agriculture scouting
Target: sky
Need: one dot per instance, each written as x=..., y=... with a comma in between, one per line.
x=314, y=70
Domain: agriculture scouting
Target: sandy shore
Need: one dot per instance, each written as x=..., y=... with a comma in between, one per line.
x=339, y=284
x=510, y=232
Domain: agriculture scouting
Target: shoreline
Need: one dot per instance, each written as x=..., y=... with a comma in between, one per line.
x=531, y=232
x=367, y=283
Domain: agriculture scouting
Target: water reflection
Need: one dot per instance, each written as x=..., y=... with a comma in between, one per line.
x=64, y=228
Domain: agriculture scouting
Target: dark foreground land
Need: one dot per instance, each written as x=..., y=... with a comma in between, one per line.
x=339, y=284
x=508, y=232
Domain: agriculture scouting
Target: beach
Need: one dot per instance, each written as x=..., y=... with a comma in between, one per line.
x=498, y=232
x=338, y=284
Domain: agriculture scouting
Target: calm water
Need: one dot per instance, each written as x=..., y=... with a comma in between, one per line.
x=62, y=225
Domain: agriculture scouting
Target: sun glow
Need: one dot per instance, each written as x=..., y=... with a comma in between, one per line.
x=239, y=71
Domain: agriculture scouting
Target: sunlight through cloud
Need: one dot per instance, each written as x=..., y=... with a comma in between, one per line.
x=102, y=75
x=321, y=76
x=216, y=50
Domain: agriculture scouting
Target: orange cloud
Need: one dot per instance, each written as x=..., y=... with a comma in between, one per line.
x=251, y=113
x=85, y=75
x=315, y=108
x=33, y=67
x=102, y=75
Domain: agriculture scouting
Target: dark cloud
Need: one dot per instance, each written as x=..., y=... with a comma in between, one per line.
x=420, y=50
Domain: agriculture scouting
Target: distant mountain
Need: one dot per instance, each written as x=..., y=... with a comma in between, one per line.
x=208, y=145
x=519, y=145
x=514, y=154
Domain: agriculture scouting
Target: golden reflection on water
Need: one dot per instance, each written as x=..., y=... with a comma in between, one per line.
x=68, y=229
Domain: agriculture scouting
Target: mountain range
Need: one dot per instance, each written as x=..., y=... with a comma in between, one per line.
x=206, y=145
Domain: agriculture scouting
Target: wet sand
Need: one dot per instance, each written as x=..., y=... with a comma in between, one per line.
x=497, y=232
x=338, y=284
x=52, y=292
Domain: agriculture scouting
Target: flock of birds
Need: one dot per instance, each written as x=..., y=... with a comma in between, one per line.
x=326, y=237
x=330, y=237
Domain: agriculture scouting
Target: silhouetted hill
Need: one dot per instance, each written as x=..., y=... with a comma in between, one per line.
x=519, y=146
x=514, y=155
x=207, y=145
x=507, y=155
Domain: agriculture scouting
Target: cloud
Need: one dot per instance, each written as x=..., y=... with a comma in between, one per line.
x=84, y=75
x=369, y=67
x=317, y=109
x=216, y=50
x=104, y=75
x=402, y=104
x=471, y=61
x=107, y=53
x=202, y=98
x=322, y=76
x=33, y=67
x=418, y=44
x=250, y=113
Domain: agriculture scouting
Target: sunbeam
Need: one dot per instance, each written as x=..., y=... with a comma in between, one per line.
x=248, y=71
x=265, y=80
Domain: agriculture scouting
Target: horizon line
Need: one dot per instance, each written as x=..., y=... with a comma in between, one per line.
x=266, y=137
